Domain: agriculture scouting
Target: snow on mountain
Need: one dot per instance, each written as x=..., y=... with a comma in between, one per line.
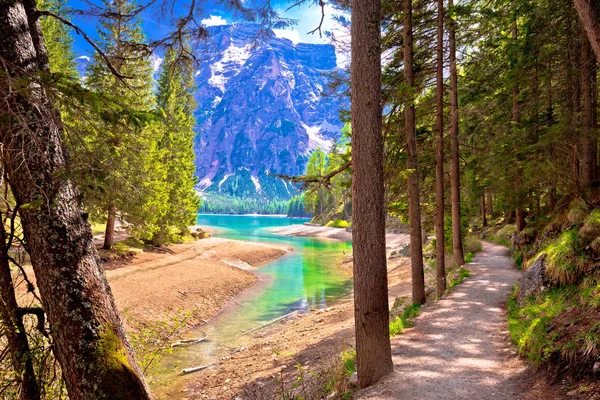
x=261, y=110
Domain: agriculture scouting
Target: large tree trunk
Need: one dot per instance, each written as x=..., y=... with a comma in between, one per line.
x=109, y=233
x=16, y=336
x=457, y=245
x=414, y=207
x=371, y=308
x=516, y=119
x=588, y=152
x=90, y=344
x=439, y=157
x=589, y=13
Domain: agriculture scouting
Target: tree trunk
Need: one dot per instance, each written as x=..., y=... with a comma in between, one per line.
x=439, y=157
x=371, y=308
x=516, y=119
x=483, y=210
x=414, y=208
x=588, y=154
x=16, y=336
x=457, y=245
x=490, y=203
x=96, y=360
x=109, y=233
x=589, y=13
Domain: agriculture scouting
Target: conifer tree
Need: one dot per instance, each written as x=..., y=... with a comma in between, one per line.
x=176, y=107
x=126, y=174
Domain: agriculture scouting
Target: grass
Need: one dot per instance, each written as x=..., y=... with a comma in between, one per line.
x=563, y=260
x=555, y=325
x=460, y=278
x=503, y=235
x=405, y=319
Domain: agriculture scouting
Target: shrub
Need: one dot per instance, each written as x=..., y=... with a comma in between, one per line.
x=404, y=319
x=503, y=235
x=472, y=244
x=338, y=223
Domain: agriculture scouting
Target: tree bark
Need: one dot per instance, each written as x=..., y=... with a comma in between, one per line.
x=16, y=336
x=589, y=13
x=490, y=203
x=588, y=153
x=439, y=157
x=483, y=210
x=371, y=308
x=516, y=119
x=109, y=233
x=457, y=245
x=96, y=360
x=414, y=207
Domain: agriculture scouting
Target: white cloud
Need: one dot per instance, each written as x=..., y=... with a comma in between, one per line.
x=86, y=58
x=290, y=34
x=214, y=20
x=156, y=62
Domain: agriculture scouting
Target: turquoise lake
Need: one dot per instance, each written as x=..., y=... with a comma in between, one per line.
x=307, y=278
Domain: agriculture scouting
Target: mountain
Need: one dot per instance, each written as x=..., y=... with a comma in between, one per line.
x=261, y=110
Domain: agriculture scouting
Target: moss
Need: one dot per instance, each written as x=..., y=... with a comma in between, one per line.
x=112, y=370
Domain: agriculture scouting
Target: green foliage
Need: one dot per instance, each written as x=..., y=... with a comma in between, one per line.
x=296, y=208
x=469, y=257
x=338, y=223
x=405, y=319
x=348, y=358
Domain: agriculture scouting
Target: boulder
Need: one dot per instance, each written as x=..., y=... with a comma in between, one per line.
x=534, y=280
x=402, y=251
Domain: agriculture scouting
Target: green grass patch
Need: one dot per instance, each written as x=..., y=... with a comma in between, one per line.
x=405, y=319
x=348, y=359
x=472, y=244
x=528, y=325
x=460, y=278
x=563, y=260
x=469, y=257
x=502, y=236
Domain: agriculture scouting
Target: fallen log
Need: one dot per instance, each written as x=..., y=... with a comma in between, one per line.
x=189, y=341
x=193, y=369
x=270, y=322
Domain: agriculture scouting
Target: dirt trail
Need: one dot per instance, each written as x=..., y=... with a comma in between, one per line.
x=459, y=348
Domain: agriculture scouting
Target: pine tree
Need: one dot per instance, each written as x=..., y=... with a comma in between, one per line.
x=125, y=172
x=176, y=110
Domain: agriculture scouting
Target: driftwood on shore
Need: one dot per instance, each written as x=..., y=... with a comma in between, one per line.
x=270, y=322
x=189, y=341
x=194, y=369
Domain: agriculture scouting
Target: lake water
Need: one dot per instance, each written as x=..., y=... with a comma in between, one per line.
x=307, y=278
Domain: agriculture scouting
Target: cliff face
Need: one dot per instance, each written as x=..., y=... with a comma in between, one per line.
x=261, y=110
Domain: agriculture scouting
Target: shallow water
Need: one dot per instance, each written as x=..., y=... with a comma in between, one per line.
x=307, y=278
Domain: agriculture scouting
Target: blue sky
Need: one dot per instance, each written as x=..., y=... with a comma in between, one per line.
x=155, y=25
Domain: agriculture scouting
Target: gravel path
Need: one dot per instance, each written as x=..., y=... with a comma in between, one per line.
x=459, y=348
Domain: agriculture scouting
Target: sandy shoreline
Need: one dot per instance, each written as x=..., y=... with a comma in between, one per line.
x=197, y=278
x=393, y=240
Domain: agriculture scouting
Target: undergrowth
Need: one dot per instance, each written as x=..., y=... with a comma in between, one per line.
x=405, y=319
x=559, y=326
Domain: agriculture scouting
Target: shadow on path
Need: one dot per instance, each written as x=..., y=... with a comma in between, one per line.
x=459, y=348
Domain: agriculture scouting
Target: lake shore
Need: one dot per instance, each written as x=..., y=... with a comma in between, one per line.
x=323, y=232
x=196, y=279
